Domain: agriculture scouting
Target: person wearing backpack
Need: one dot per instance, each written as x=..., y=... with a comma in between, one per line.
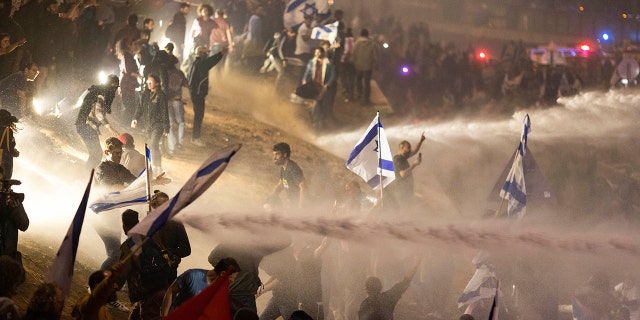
x=176, y=80
x=146, y=275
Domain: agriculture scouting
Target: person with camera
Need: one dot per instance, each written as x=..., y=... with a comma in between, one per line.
x=13, y=217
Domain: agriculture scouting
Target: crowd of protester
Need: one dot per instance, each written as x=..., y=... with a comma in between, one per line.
x=43, y=41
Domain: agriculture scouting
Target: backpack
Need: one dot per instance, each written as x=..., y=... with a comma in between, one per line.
x=155, y=268
x=176, y=80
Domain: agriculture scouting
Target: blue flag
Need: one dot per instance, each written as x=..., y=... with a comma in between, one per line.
x=514, y=189
x=197, y=184
x=371, y=157
x=135, y=193
x=61, y=271
x=296, y=10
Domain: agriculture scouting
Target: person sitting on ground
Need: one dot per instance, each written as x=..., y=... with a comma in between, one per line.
x=102, y=286
x=381, y=305
x=193, y=281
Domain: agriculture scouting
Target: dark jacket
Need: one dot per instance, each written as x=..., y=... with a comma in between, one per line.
x=109, y=173
x=199, y=74
x=95, y=105
x=12, y=219
x=153, y=110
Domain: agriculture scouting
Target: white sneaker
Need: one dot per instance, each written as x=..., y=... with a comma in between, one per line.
x=117, y=305
x=197, y=142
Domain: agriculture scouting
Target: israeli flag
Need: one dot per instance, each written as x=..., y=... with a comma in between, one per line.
x=296, y=10
x=371, y=157
x=135, y=193
x=327, y=32
x=514, y=189
x=483, y=285
x=61, y=271
x=197, y=184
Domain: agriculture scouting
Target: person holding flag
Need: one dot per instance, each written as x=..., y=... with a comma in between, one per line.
x=371, y=157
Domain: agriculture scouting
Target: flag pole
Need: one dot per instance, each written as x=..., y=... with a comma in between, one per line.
x=379, y=158
x=148, y=181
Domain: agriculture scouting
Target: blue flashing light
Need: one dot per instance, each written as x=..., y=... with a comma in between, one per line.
x=605, y=36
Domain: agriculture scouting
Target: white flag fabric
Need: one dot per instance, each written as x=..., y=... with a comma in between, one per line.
x=197, y=184
x=514, y=189
x=135, y=193
x=327, y=32
x=372, y=156
x=61, y=271
x=482, y=285
x=296, y=10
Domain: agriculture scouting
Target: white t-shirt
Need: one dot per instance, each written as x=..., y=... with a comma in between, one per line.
x=303, y=46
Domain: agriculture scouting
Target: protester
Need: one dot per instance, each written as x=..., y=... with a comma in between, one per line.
x=146, y=273
x=13, y=90
x=199, y=87
x=102, y=288
x=275, y=58
x=193, y=281
x=202, y=26
x=14, y=218
x=381, y=305
x=153, y=112
x=402, y=186
x=96, y=104
x=176, y=81
x=46, y=303
x=177, y=28
x=282, y=285
x=130, y=76
x=10, y=274
x=248, y=254
x=129, y=33
x=131, y=159
x=321, y=72
x=8, y=149
x=596, y=299
x=364, y=58
x=172, y=237
x=291, y=179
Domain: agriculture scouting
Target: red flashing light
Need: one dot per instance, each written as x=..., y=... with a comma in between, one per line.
x=585, y=47
x=482, y=55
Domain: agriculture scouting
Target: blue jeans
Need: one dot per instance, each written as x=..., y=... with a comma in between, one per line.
x=176, y=121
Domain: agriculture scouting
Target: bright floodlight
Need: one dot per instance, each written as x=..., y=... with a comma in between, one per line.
x=38, y=106
x=102, y=77
x=385, y=45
